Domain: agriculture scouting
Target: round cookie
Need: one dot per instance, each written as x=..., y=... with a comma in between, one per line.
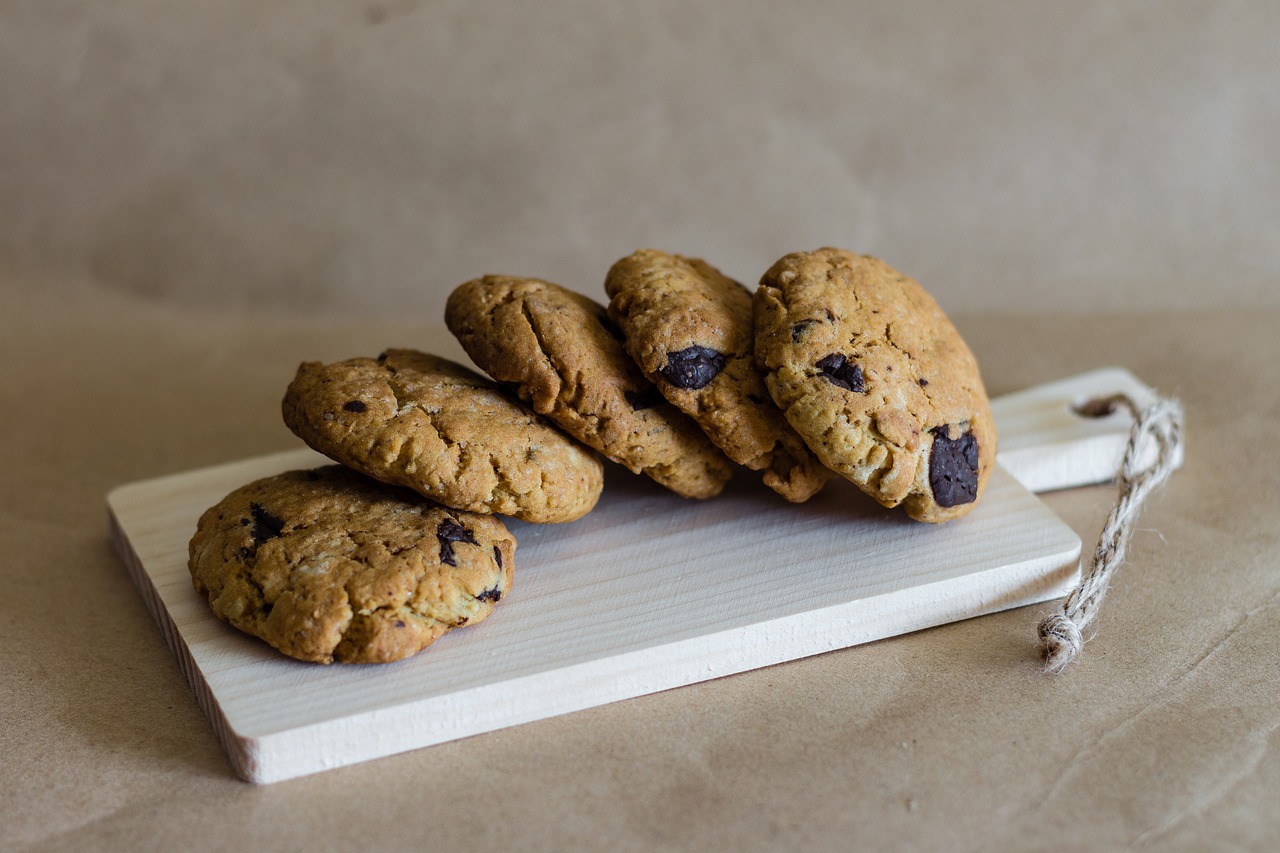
x=875, y=378
x=559, y=351
x=690, y=329
x=424, y=422
x=330, y=565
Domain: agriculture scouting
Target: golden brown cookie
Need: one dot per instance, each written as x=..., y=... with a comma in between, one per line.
x=424, y=422
x=690, y=329
x=876, y=379
x=561, y=354
x=330, y=565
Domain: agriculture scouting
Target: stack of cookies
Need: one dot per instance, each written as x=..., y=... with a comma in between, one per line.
x=372, y=560
x=835, y=365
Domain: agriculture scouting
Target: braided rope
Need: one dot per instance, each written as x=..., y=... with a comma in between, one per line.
x=1062, y=633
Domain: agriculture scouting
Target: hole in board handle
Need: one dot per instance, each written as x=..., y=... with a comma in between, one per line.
x=1095, y=406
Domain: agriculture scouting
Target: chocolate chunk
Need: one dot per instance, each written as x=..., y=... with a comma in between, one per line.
x=953, y=468
x=451, y=531
x=265, y=525
x=382, y=358
x=646, y=399
x=923, y=382
x=497, y=555
x=494, y=594
x=354, y=406
x=840, y=370
x=693, y=367
x=798, y=329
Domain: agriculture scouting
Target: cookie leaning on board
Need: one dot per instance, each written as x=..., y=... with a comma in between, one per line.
x=830, y=329
x=877, y=380
x=564, y=358
x=436, y=427
x=690, y=329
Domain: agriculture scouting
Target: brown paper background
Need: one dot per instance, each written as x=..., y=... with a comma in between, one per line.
x=195, y=197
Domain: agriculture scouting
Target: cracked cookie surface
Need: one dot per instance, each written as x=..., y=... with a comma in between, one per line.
x=690, y=329
x=424, y=422
x=327, y=564
x=559, y=351
x=877, y=380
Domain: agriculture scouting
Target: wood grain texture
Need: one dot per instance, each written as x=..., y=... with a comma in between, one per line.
x=647, y=592
x=1046, y=443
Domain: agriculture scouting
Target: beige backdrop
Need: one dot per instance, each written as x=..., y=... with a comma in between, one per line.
x=196, y=196
x=370, y=156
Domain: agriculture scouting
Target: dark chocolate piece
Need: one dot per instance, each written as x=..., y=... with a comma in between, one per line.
x=953, y=468
x=354, y=406
x=693, y=367
x=840, y=370
x=450, y=531
x=494, y=594
x=798, y=329
x=265, y=525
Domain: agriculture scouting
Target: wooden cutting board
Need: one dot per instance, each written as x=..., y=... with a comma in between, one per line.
x=645, y=593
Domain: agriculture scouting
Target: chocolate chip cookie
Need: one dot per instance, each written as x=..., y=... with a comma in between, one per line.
x=561, y=354
x=328, y=565
x=876, y=379
x=690, y=329
x=424, y=422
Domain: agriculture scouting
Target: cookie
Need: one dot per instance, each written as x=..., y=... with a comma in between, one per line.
x=690, y=329
x=329, y=565
x=876, y=379
x=424, y=422
x=561, y=354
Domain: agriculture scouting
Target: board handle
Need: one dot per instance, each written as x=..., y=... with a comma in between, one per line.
x=1051, y=438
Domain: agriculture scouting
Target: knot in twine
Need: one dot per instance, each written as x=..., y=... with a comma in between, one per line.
x=1159, y=424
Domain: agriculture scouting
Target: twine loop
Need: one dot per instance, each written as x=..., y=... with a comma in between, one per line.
x=1149, y=458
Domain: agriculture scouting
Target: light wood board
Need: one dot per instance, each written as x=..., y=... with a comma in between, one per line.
x=647, y=592
x=1046, y=444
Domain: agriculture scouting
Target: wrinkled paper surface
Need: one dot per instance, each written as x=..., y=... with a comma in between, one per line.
x=196, y=199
